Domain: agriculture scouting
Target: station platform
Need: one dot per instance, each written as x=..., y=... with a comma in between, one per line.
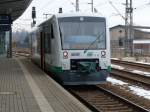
x=26, y=88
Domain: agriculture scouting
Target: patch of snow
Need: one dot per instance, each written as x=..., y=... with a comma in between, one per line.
x=117, y=67
x=135, y=90
x=140, y=92
x=115, y=81
x=27, y=54
x=143, y=62
x=115, y=58
x=133, y=60
x=141, y=72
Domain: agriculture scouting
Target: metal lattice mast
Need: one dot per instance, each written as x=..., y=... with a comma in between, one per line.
x=92, y=5
x=131, y=29
x=128, y=28
x=77, y=5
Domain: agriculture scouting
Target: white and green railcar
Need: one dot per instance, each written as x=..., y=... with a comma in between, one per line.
x=75, y=48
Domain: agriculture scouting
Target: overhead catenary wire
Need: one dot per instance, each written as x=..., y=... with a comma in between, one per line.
x=101, y=4
x=72, y=3
x=51, y=3
x=110, y=2
x=141, y=6
x=47, y=4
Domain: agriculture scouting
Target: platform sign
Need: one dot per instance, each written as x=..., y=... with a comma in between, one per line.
x=5, y=19
x=5, y=22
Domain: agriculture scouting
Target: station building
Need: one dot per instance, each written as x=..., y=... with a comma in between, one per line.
x=10, y=10
x=141, y=42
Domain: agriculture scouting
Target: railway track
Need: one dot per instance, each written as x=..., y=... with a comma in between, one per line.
x=144, y=80
x=131, y=64
x=128, y=74
x=102, y=100
x=22, y=54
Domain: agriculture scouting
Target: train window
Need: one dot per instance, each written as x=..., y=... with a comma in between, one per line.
x=120, y=42
x=47, y=39
x=87, y=34
x=52, y=31
x=38, y=43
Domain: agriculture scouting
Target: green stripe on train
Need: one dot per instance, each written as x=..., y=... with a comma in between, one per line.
x=37, y=61
x=54, y=69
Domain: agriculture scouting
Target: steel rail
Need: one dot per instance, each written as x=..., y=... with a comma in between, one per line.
x=132, y=76
x=131, y=63
x=109, y=95
x=139, y=108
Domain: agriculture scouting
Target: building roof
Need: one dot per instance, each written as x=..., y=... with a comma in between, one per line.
x=123, y=26
x=13, y=7
x=117, y=26
x=142, y=41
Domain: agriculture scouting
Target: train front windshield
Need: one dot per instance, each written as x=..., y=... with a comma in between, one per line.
x=78, y=33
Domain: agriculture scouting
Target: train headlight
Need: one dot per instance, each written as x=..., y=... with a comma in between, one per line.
x=65, y=54
x=103, y=54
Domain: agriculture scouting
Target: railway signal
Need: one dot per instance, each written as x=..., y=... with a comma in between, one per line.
x=33, y=16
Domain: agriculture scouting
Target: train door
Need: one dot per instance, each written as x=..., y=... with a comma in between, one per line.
x=42, y=50
x=47, y=46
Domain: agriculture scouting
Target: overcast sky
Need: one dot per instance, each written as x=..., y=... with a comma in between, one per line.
x=141, y=14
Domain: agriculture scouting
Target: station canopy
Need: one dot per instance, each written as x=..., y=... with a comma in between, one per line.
x=15, y=8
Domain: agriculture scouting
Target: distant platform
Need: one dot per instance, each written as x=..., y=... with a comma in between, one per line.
x=26, y=88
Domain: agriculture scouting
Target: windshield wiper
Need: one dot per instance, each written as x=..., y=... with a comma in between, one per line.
x=98, y=37
x=60, y=32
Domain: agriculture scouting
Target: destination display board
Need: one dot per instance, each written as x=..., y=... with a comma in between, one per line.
x=5, y=19
x=5, y=22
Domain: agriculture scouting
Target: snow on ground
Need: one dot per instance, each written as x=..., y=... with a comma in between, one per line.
x=141, y=92
x=143, y=62
x=115, y=81
x=117, y=67
x=133, y=71
x=141, y=72
x=136, y=90
x=115, y=58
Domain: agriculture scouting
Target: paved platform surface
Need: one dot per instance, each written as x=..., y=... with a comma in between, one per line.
x=26, y=88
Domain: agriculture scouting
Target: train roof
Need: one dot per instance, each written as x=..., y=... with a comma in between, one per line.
x=61, y=15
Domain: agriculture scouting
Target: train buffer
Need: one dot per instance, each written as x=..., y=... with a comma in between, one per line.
x=26, y=88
